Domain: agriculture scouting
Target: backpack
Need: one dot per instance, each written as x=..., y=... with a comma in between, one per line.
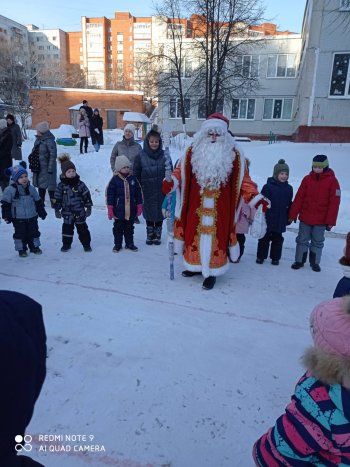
x=34, y=162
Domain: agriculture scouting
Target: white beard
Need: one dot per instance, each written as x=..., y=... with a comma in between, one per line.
x=212, y=162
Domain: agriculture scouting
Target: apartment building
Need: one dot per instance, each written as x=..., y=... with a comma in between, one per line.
x=15, y=58
x=48, y=51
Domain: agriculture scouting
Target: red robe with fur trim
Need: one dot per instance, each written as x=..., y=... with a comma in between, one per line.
x=205, y=224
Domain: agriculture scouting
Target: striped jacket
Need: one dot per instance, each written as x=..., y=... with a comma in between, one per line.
x=315, y=429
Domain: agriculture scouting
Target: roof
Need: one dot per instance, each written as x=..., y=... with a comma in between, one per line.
x=135, y=117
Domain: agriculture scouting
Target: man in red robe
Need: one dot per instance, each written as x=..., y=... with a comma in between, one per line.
x=211, y=181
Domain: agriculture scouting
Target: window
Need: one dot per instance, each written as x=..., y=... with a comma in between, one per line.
x=344, y=5
x=340, y=80
x=202, y=110
x=186, y=71
x=247, y=66
x=278, y=109
x=175, y=108
x=243, y=109
x=281, y=66
x=54, y=38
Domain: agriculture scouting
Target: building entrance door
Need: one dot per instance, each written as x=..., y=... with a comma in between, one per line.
x=111, y=119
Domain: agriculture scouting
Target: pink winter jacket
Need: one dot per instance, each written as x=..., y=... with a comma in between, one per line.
x=245, y=219
x=84, y=127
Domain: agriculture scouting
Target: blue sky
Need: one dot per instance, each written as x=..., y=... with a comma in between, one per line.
x=65, y=14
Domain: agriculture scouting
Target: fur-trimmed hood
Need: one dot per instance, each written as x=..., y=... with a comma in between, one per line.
x=327, y=367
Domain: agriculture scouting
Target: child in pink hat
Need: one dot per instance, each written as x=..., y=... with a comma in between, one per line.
x=315, y=428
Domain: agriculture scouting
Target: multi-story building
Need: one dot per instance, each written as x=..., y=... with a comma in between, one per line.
x=48, y=51
x=14, y=61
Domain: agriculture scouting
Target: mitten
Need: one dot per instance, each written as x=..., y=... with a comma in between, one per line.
x=329, y=228
x=139, y=210
x=110, y=212
x=58, y=214
x=8, y=220
x=42, y=214
x=88, y=211
x=40, y=209
x=97, y=131
x=264, y=202
x=167, y=186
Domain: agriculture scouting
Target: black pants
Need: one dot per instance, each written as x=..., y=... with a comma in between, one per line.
x=84, y=140
x=123, y=228
x=241, y=243
x=276, y=240
x=154, y=224
x=83, y=233
x=42, y=194
x=26, y=233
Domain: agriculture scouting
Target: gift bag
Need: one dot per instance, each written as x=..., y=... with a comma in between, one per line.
x=258, y=227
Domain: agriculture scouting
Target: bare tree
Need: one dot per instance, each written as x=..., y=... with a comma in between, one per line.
x=223, y=45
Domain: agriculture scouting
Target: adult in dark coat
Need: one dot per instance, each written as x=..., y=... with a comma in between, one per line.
x=45, y=145
x=5, y=153
x=149, y=169
x=16, y=152
x=96, y=124
x=280, y=195
x=23, y=371
x=87, y=109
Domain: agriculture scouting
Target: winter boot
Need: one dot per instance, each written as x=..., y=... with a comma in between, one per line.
x=259, y=261
x=275, y=262
x=314, y=266
x=22, y=253
x=65, y=248
x=209, y=283
x=187, y=273
x=36, y=250
x=297, y=265
x=150, y=235
x=116, y=249
x=157, y=235
x=87, y=248
x=131, y=247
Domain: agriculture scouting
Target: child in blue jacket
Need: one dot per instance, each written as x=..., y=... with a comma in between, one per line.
x=21, y=205
x=124, y=203
x=280, y=194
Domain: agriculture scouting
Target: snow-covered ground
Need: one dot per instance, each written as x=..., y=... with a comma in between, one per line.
x=157, y=372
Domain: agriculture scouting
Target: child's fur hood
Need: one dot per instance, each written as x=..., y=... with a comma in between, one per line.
x=330, y=368
x=327, y=367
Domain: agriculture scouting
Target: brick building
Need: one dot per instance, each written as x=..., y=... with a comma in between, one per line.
x=53, y=104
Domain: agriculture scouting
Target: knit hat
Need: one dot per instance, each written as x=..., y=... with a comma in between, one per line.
x=3, y=124
x=215, y=121
x=120, y=162
x=66, y=163
x=330, y=326
x=281, y=166
x=130, y=127
x=16, y=172
x=96, y=110
x=320, y=161
x=10, y=117
x=42, y=127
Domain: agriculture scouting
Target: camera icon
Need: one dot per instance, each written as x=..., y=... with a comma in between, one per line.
x=23, y=443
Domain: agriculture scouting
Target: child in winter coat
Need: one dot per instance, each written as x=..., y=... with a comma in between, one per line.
x=343, y=286
x=280, y=194
x=21, y=205
x=315, y=428
x=84, y=130
x=244, y=221
x=124, y=202
x=317, y=205
x=149, y=169
x=72, y=203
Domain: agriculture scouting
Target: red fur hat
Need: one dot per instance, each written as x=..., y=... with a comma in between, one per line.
x=219, y=116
